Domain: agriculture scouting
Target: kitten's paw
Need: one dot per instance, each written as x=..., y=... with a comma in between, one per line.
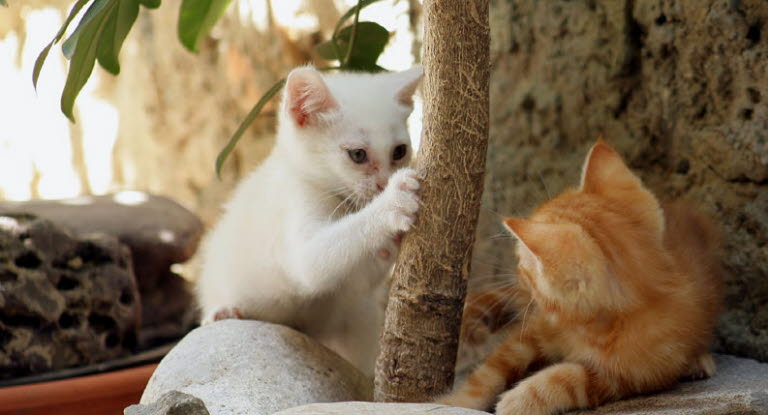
x=514, y=402
x=389, y=252
x=400, y=200
x=223, y=313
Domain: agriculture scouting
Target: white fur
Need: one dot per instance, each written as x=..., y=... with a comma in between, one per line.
x=286, y=250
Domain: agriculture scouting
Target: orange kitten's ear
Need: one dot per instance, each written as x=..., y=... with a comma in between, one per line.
x=545, y=242
x=605, y=173
x=521, y=229
x=307, y=99
x=604, y=170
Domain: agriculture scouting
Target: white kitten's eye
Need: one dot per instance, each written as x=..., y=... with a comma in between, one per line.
x=399, y=152
x=358, y=156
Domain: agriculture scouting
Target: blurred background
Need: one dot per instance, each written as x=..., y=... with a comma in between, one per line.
x=677, y=87
x=159, y=125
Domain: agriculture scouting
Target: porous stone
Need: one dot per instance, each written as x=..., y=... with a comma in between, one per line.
x=677, y=88
x=376, y=408
x=172, y=403
x=740, y=387
x=159, y=233
x=246, y=366
x=64, y=301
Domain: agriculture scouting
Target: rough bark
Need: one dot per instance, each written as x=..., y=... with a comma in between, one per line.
x=423, y=317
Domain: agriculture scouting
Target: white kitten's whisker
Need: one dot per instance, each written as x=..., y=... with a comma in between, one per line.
x=339, y=205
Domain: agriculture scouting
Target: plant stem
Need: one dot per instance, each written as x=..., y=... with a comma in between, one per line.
x=352, y=35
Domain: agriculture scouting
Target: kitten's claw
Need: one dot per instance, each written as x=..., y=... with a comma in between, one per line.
x=223, y=313
x=401, y=201
x=384, y=254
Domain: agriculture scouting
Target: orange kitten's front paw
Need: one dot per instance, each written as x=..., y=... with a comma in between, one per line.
x=513, y=402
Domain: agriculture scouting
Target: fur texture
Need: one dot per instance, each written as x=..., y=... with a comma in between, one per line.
x=624, y=299
x=298, y=242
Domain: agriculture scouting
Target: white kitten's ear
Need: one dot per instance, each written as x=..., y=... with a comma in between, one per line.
x=307, y=98
x=409, y=81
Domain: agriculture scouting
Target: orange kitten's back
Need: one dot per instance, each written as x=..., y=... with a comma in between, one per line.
x=694, y=241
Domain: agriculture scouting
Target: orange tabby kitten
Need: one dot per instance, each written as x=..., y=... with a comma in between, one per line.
x=625, y=296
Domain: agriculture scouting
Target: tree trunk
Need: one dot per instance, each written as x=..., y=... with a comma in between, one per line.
x=418, y=347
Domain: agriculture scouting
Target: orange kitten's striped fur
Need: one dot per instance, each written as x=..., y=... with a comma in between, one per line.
x=625, y=298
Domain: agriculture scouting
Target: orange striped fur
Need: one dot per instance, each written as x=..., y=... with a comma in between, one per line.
x=625, y=295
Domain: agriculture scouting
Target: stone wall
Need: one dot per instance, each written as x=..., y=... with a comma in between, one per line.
x=677, y=86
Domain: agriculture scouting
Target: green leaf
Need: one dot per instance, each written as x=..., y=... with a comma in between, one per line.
x=328, y=50
x=44, y=54
x=370, y=40
x=196, y=19
x=84, y=56
x=3, y=3
x=117, y=27
x=351, y=12
x=96, y=10
x=150, y=4
x=247, y=122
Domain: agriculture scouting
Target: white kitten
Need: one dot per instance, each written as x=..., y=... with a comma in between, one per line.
x=287, y=250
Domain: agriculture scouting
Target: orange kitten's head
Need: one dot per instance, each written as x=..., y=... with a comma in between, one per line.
x=593, y=249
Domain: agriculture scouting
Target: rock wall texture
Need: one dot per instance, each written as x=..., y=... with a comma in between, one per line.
x=679, y=87
x=64, y=301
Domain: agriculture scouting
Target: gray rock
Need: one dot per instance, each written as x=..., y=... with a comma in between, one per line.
x=172, y=403
x=252, y=367
x=159, y=232
x=376, y=408
x=739, y=387
x=64, y=302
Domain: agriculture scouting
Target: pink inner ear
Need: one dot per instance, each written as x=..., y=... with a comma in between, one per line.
x=308, y=96
x=297, y=110
x=301, y=97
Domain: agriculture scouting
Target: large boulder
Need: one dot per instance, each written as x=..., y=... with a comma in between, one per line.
x=377, y=408
x=252, y=367
x=676, y=87
x=159, y=233
x=64, y=301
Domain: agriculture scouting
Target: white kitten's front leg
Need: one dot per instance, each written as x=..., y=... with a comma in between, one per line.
x=323, y=258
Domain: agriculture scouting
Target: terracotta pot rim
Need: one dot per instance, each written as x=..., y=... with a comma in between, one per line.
x=115, y=365
x=60, y=393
